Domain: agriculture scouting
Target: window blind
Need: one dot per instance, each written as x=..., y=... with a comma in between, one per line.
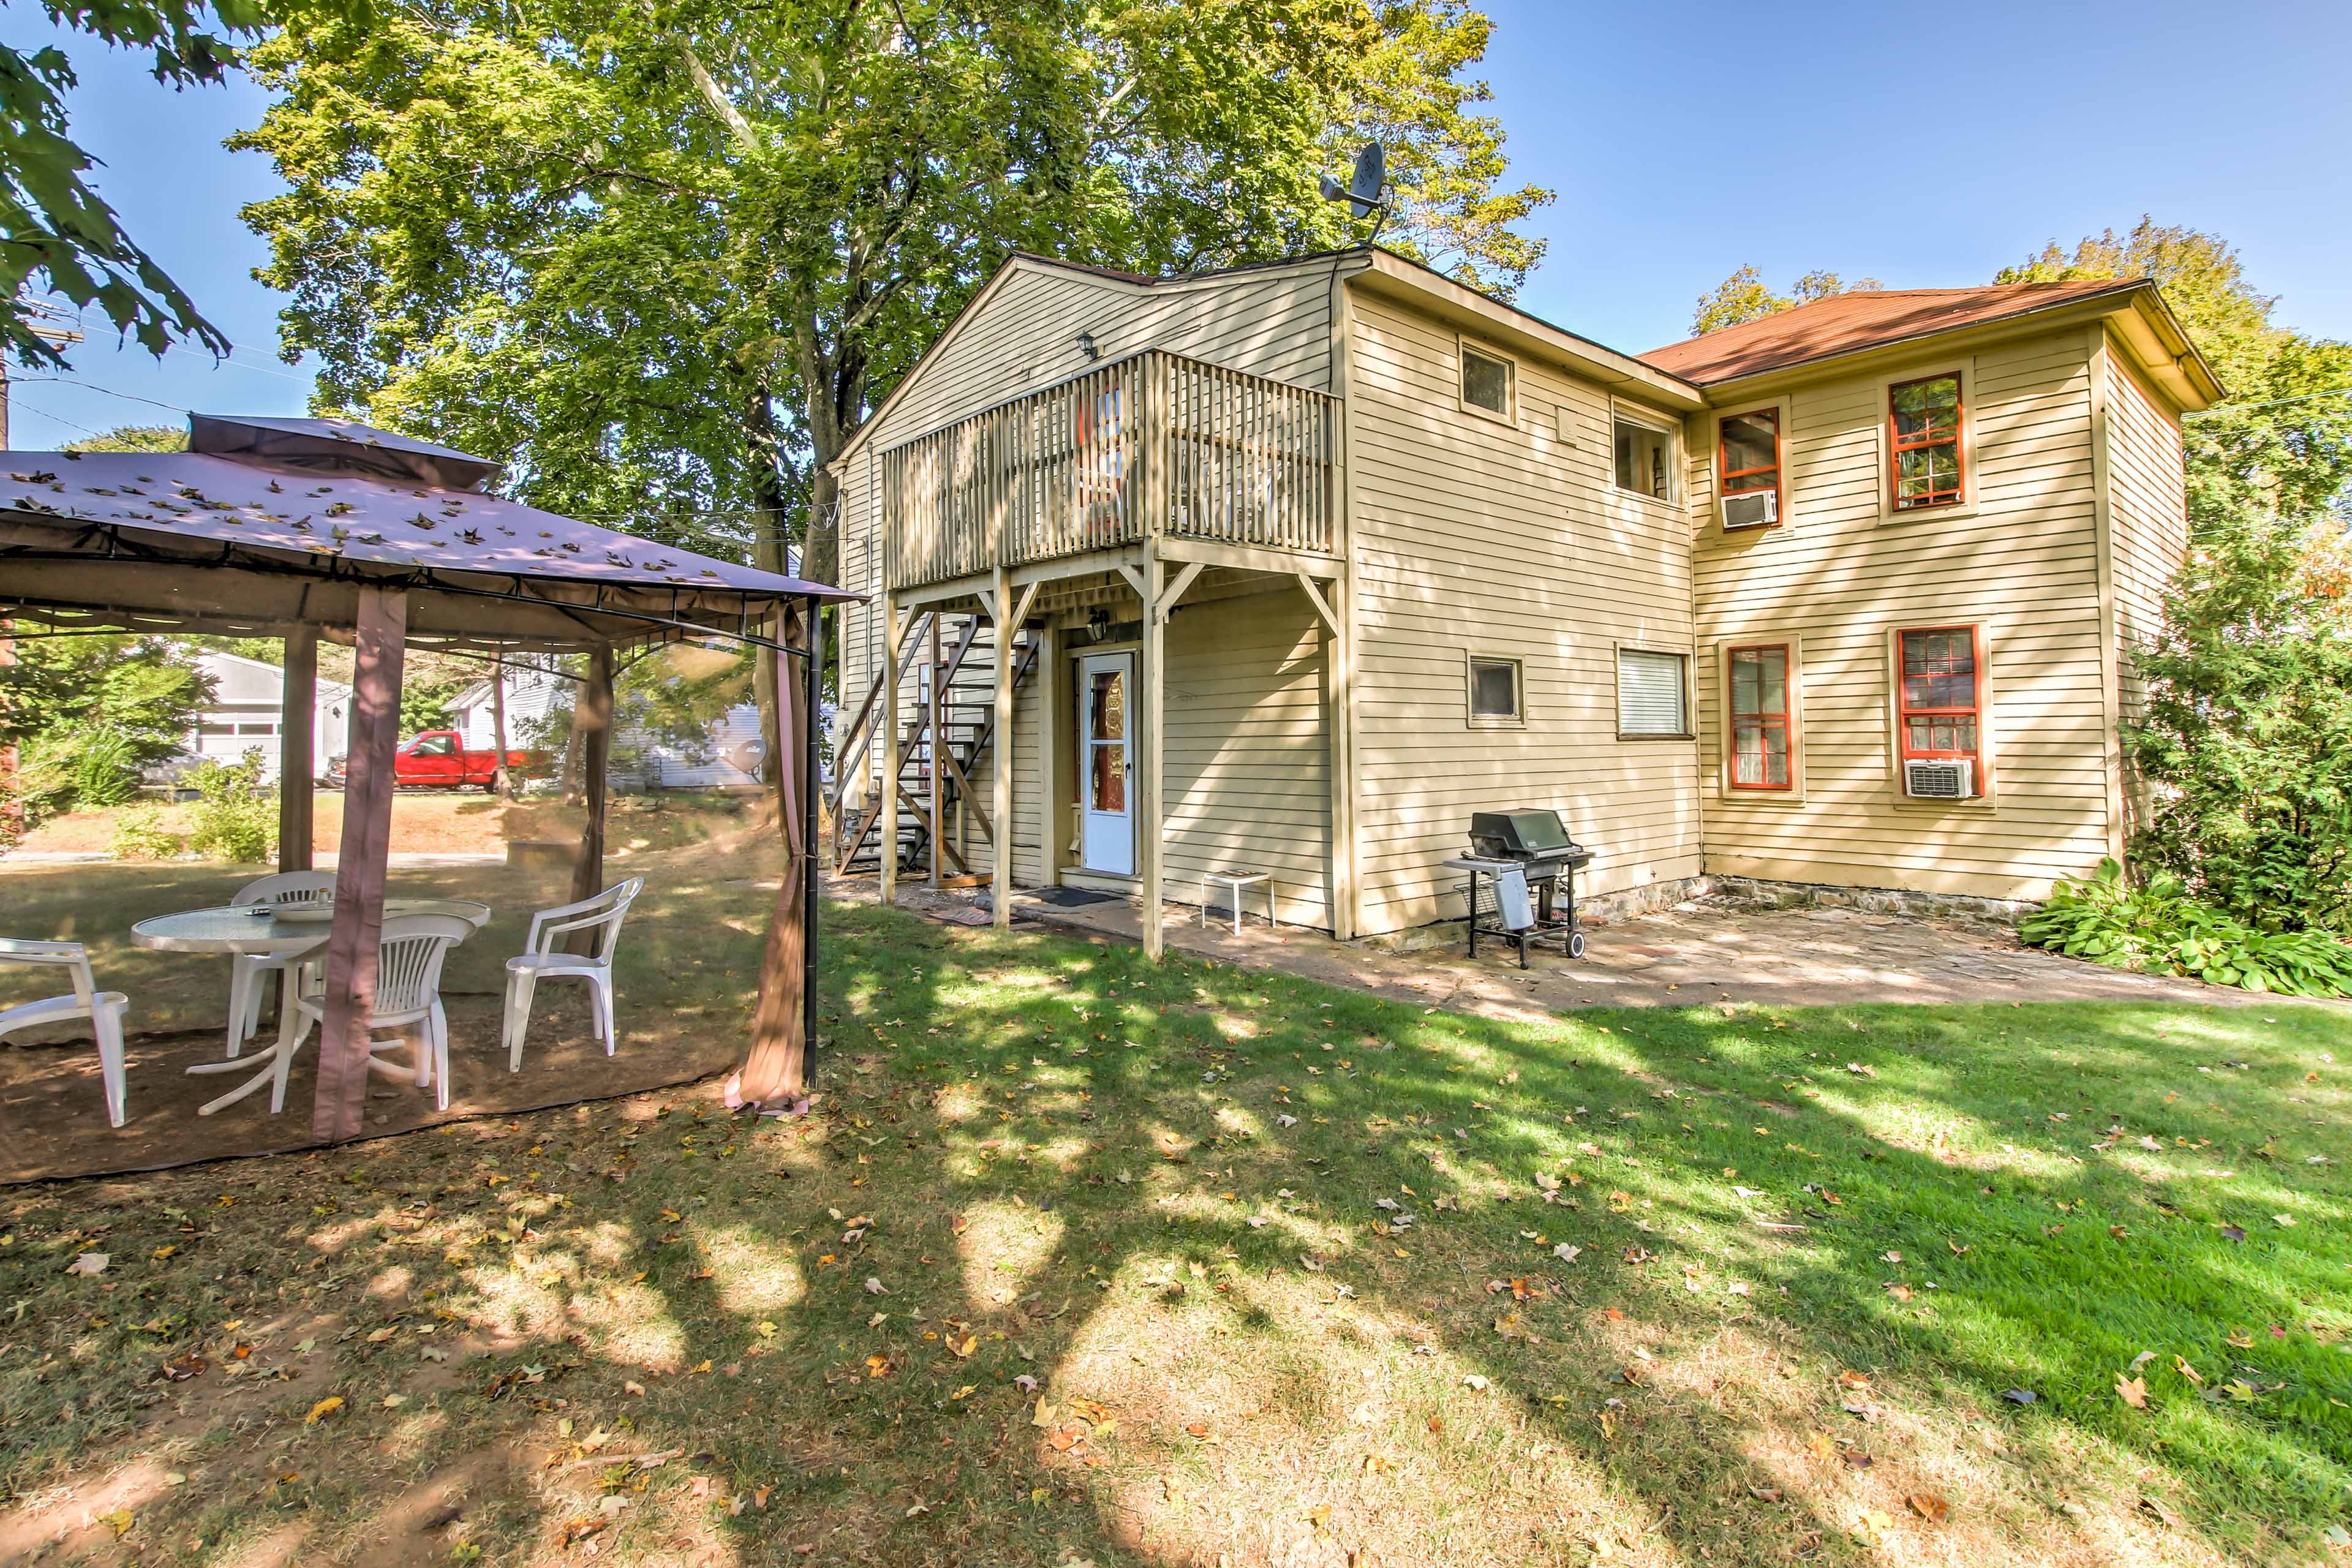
x=1649, y=694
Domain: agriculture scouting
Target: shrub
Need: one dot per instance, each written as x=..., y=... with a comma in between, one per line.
x=105, y=768
x=2159, y=928
x=237, y=815
x=140, y=834
x=2247, y=736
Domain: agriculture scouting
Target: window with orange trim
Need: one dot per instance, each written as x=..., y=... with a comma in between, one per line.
x=1923, y=441
x=1760, y=716
x=1748, y=454
x=1940, y=695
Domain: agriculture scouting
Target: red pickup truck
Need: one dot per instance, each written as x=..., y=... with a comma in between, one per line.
x=437, y=759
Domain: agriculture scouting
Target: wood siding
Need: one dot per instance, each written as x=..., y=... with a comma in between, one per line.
x=1475, y=536
x=2021, y=561
x=2147, y=508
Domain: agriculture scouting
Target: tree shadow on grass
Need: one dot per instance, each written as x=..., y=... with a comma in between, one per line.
x=1074, y=1167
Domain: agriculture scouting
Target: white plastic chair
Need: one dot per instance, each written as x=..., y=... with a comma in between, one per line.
x=537, y=961
x=104, y=1009
x=409, y=955
x=248, y=973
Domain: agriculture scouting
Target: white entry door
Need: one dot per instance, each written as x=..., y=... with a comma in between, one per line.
x=1106, y=765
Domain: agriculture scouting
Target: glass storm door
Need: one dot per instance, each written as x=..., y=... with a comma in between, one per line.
x=1105, y=766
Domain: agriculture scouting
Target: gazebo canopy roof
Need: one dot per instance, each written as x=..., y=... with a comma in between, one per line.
x=288, y=517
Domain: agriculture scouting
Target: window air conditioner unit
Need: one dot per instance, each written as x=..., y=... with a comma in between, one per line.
x=1757, y=509
x=1939, y=778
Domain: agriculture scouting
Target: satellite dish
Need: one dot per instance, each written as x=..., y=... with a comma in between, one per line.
x=1363, y=193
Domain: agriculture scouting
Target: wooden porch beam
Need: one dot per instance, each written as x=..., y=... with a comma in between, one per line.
x=1251, y=558
x=1135, y=580
x=1322, y=605
x=1176, y=589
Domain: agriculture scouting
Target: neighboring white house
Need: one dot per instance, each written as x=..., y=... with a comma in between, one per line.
x=733, y=750
x=244, y=714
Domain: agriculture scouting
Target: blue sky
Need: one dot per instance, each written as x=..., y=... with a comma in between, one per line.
x=1922, y=145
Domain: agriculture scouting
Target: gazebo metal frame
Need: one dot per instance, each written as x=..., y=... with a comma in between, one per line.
x=306, y=528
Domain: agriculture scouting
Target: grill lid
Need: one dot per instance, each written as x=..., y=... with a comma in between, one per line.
x=1523, y=832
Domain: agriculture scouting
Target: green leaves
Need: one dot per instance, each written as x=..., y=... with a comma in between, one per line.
x=2104, y=919
x=670, y=256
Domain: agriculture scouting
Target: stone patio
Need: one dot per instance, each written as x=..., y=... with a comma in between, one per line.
x=1709, y=950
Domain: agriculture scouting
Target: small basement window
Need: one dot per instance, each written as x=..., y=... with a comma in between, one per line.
x=1496, y=692
x=1651, y=700
x=1485, y=383
x=1646, y=459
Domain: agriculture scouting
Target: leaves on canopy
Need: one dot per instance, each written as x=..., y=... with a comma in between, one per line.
x=670, y=256
x=58, y=227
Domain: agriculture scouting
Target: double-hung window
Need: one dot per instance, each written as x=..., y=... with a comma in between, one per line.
x=1939, y=698
x=1924, y=442
x=1758, y=677
x=1749, y=459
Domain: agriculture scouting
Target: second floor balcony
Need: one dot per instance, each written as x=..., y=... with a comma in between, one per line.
x=1152, y=445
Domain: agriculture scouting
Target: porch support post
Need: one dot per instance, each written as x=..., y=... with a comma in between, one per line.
x=1148, y=750
x=1049, y=758
x=934, y=750
x=1339, y=718
x=297, y=744
x=594, y=717
x=892, y=761
x=1001, y=753
x=340, y=1098
x=776, y=1071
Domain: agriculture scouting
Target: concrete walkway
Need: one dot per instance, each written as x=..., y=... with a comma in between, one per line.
x=1699, y=953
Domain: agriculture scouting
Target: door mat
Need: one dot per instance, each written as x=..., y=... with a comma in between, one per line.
x=1074, y=897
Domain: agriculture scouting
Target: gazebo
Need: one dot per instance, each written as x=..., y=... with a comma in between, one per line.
x=304, y=529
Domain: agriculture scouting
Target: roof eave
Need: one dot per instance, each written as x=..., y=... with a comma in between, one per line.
x=1530, y=334
x=2184, y=373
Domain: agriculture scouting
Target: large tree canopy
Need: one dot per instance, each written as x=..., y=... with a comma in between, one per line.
x=667, y=256
x=2282, y=443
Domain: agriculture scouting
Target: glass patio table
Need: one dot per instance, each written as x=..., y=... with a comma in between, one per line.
x=270, y=930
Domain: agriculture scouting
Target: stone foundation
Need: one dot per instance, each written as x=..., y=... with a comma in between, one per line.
x=1991, y=916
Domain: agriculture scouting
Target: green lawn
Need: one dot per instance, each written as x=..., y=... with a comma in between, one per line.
x=1085, y=1260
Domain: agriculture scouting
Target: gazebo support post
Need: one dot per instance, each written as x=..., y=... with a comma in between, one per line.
x=297, y=745
x=594, y=713
x=499, y=779
x=784, y=1022
x=382, y=643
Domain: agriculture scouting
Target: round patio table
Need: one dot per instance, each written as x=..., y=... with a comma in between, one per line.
x=263, y=930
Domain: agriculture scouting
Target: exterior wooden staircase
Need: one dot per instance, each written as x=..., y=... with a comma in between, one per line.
x=950, y=728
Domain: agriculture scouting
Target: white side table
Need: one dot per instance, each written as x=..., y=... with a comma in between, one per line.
x=1234, y=882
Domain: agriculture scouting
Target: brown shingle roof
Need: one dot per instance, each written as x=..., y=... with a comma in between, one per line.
x=1844, y=324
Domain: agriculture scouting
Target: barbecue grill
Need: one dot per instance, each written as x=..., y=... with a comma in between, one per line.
x=1530, y=843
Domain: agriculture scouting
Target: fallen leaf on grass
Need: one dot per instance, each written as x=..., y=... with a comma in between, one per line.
x=89, y=1264
x=324, y=1408
x=2133, y=1391
x=1929, y=1506
x=2020, y=1395
x=2170, y=1520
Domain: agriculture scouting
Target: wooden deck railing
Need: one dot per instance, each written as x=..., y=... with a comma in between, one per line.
x=1154, y=442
